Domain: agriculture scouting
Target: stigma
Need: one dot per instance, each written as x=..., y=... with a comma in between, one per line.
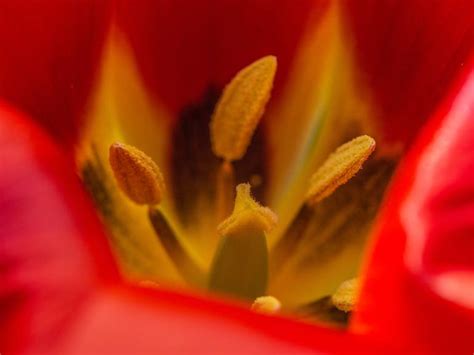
x=247, y=214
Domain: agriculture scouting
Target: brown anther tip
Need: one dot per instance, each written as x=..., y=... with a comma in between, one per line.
x=341, y=166
x=137, y=174
x=240, y=108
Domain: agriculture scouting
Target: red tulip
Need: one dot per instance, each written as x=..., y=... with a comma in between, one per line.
x=344, y=69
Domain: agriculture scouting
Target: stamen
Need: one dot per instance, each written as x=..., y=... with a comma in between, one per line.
x=266, y=304
x=187, y=267
x=240, y=265
x=240, y=108
x=346, y=295
x=338, y=168
x=341, y=165
x=137, y=174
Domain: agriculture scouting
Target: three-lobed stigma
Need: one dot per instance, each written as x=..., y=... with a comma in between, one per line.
x=248, y=214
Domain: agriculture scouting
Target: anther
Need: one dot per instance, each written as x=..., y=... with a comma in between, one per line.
x=338, y=168
x=240, y=108
x=345, y=296
x=137, y=174
x=266, y=304
x=341, y=166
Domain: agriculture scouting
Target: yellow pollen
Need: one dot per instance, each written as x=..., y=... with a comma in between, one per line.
x=137, y=174
x=266, y=304
x=240, y=108
x=247, y=214
x=345, y=297
x=341, y=166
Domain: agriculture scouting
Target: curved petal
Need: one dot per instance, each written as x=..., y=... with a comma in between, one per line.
x=49, y=259
x=420, y=277
x=60, y=291
x=50, y=51
x=409, y=53
x=151, y=321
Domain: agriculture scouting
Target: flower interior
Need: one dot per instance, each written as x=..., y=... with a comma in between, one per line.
x=194, y=210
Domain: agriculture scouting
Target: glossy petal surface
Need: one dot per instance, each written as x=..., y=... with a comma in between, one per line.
x=420, y=276
x=182, y=46
x=409, y=53
x=50, y=51
x=52, y=247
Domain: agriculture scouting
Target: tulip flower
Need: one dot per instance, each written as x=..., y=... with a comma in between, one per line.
x=236, y=177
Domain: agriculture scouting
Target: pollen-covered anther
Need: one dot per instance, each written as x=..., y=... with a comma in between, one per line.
x=266, y=304
x=240, y=108
x=137, y=174
x=248, y=214
x=345, y=296
x=341, y=166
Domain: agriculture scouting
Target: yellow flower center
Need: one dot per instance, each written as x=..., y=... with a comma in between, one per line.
x=244, y=263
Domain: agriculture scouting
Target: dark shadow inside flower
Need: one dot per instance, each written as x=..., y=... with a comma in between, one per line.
x=194, y=165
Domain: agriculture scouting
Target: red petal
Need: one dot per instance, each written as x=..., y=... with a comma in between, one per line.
x=409, y=53
x=153, y=321
x=59, y=290
x=183, y=46
x=420, y=279
x=49, y=54
x=48, y=262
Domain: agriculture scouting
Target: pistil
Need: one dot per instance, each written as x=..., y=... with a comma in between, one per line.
x=240, y=265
